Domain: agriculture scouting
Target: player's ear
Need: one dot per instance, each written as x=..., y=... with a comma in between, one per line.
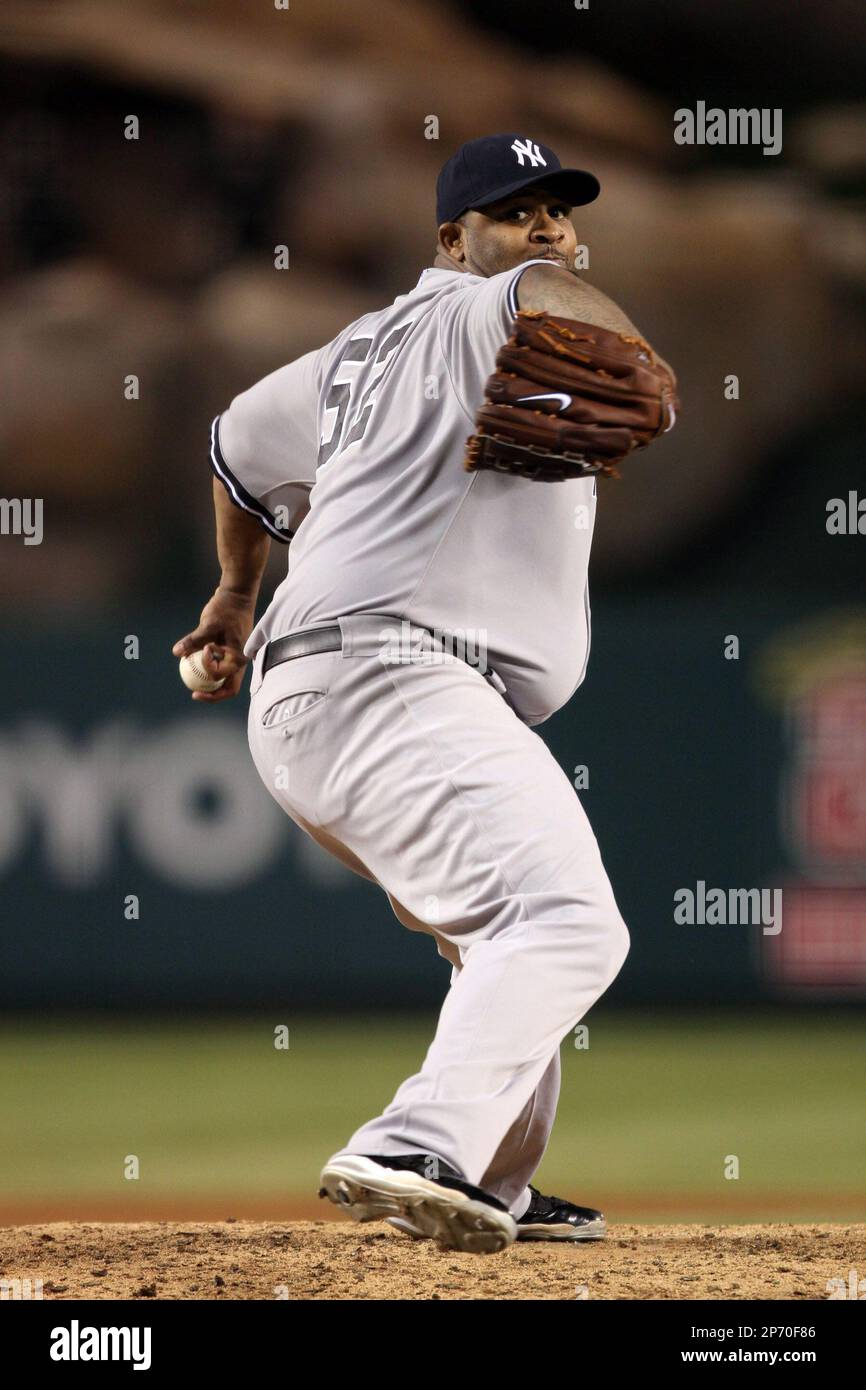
x=452, y=239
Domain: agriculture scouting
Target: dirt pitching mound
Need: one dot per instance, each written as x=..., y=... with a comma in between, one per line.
x=340, y=1260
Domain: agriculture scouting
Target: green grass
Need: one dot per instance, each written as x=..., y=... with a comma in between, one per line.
x=650, y=1109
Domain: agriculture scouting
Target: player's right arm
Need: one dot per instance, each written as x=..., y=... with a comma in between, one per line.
x=474, y=325
x=555, y=290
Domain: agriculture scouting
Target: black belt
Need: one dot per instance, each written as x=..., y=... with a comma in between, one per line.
x=315, y=639
x=330, y=639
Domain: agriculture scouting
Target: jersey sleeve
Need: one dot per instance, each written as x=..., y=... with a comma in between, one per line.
x=264, y=447
x=474, y=324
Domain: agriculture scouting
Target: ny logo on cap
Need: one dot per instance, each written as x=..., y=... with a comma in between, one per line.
x=533, y=153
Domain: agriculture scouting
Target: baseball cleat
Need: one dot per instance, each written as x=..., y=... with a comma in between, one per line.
x=446, y=1208
x=546, y=1218
x=553, y=1218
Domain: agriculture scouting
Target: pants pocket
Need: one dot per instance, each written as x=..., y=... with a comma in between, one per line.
x=289, y=707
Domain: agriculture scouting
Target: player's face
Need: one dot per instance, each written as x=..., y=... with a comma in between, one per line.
x=519, y=228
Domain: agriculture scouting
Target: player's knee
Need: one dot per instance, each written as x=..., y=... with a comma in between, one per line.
x=598, y=952
x=619, y=942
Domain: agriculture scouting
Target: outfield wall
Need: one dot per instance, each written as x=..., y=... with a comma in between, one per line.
x=711, y=778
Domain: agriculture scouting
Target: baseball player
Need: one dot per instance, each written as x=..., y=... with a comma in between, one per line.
x=435, y=610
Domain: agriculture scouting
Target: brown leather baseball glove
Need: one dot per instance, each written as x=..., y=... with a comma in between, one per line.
x=568, y=400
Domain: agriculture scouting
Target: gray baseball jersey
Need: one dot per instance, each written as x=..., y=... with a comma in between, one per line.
x=354, y=453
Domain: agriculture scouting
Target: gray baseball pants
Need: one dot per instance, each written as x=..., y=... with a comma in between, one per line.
x=418, y=775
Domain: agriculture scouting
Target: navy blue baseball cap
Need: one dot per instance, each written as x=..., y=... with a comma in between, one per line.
x=483, y=171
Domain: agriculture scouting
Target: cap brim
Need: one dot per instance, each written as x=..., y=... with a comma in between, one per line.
x=575, y=186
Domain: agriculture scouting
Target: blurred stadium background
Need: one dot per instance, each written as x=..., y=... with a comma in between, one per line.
x=150, y=1029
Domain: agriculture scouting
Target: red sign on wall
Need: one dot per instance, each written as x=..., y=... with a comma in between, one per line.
x=823, y=941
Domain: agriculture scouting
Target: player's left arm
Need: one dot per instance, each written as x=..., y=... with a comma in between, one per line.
x=263, y=455
x=228, y=617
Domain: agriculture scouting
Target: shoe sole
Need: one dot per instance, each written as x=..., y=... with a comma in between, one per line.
x=369, y=1192
x=593, y=1230
x=406, y=1227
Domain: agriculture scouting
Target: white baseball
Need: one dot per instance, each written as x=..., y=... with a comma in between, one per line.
x=195, y=676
